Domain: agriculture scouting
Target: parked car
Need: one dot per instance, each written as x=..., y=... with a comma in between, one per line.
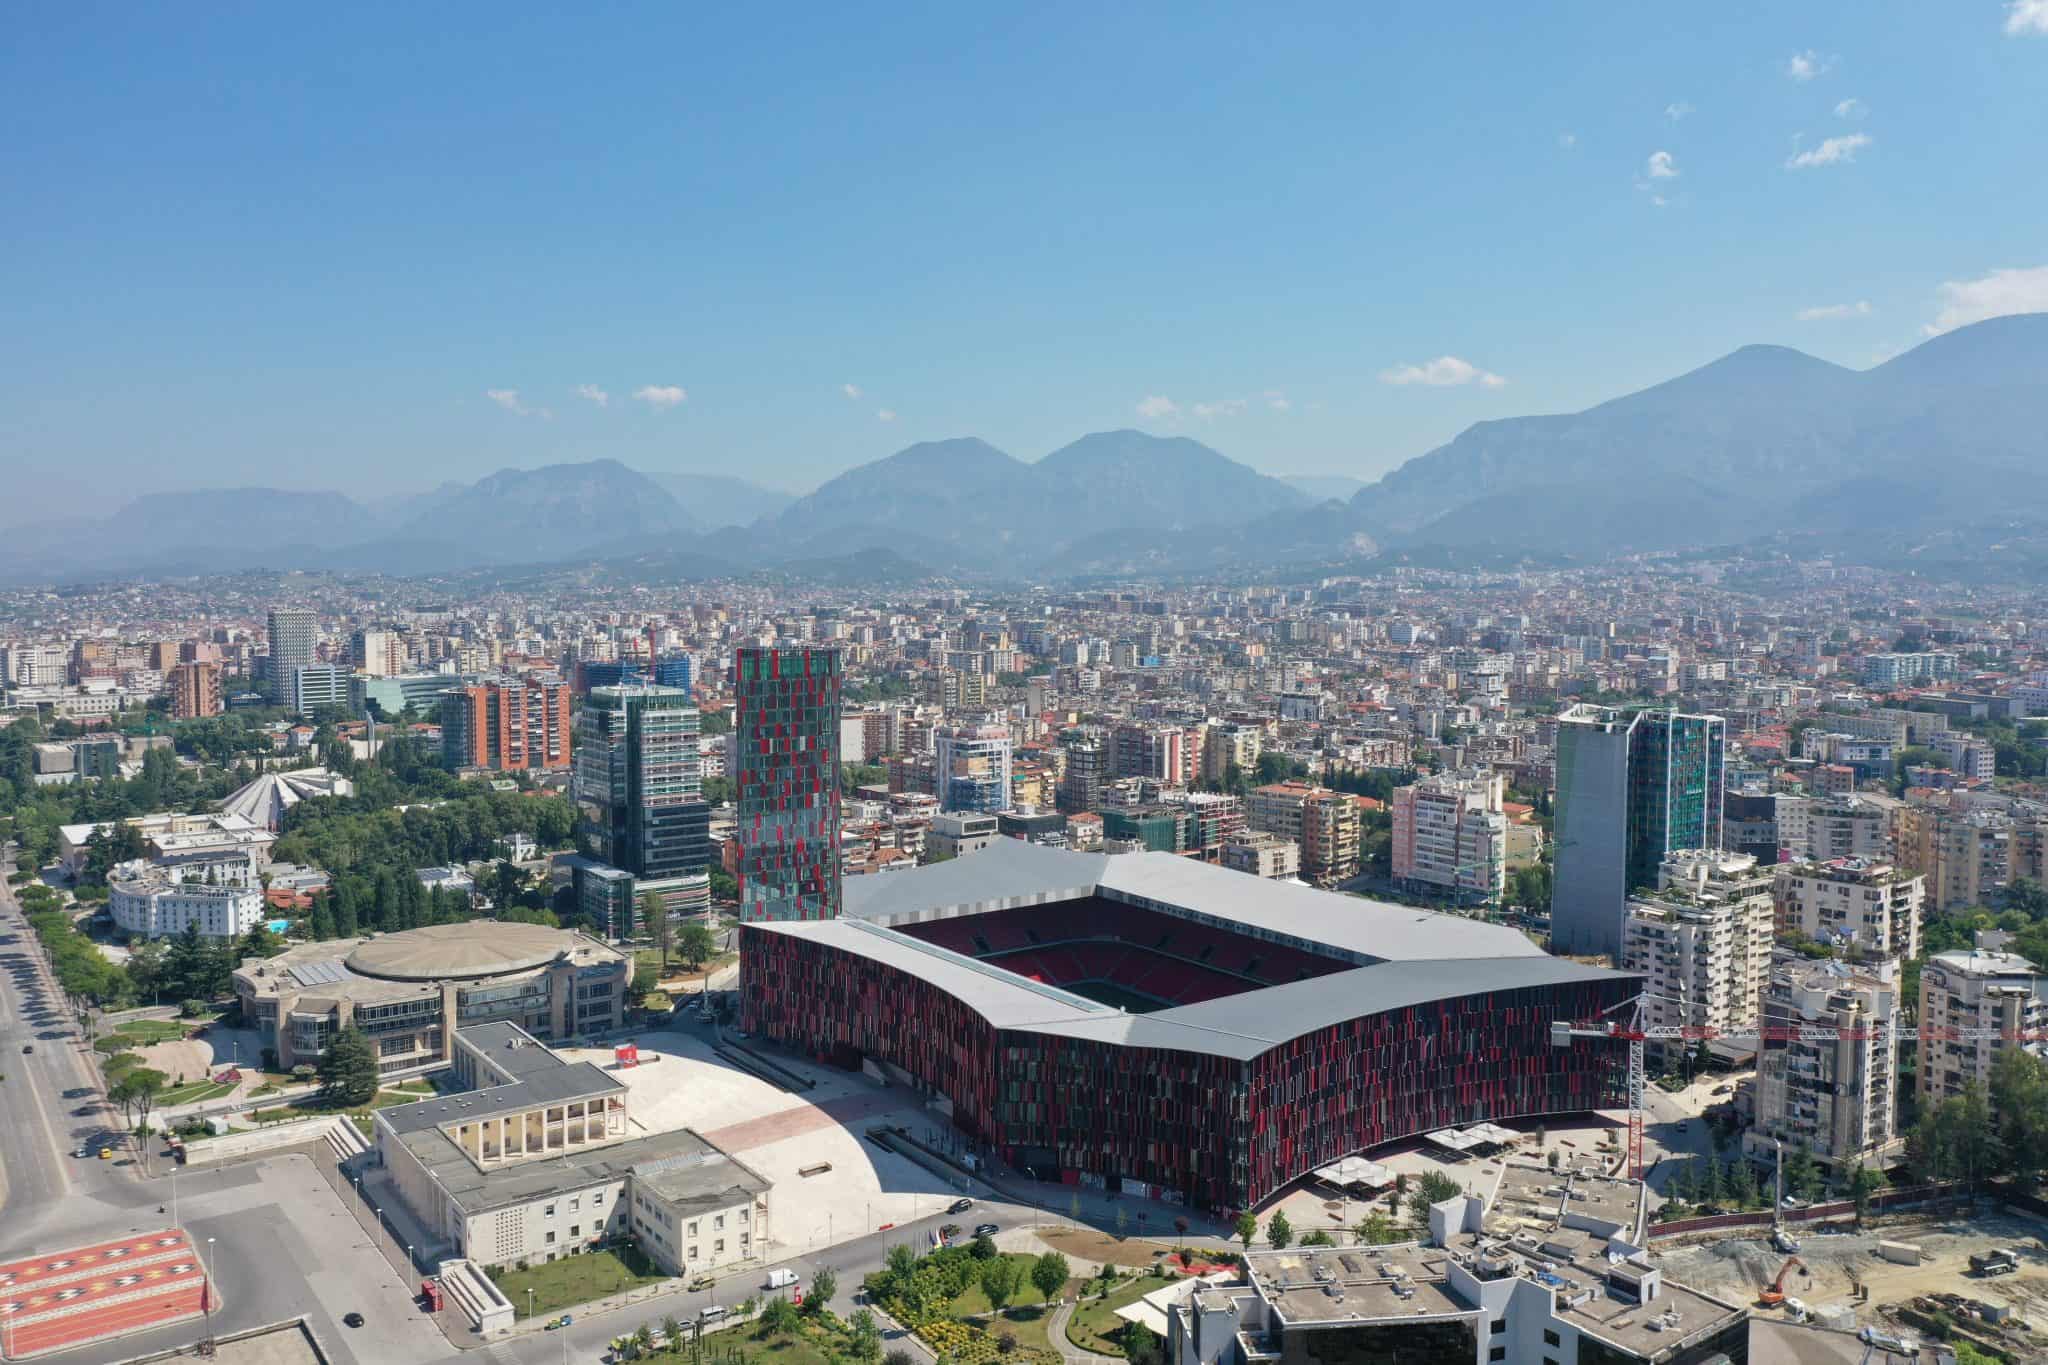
x=351, y=1319
x=960, y=1206
x=986, y=1230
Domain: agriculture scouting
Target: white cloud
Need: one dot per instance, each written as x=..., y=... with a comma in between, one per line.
x=1835, y=151
x=1804, y=66
x=1997, y=294
x=594, y=394
x=850, y=390
x=1446, y=371
x=1567, y=140
x=2027, y=16
x=1157, y=405
x=1835, y=312
x=885, y=414
x=1276, y=400
x=1851, y=108
x=1661, y=167
x=1677, y=110
x=509, y=400
x=661, y=396
x=1222, y=407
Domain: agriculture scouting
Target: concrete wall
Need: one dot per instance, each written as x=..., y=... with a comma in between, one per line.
x=234, y=1146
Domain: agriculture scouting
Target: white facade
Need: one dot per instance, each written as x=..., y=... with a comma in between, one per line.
x=2003, y=992
x=144, y=900
x=1450, y=835
x=1703, y=942
x=1861, y=901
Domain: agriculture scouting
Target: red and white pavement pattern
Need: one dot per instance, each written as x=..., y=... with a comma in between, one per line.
x=69, y=1298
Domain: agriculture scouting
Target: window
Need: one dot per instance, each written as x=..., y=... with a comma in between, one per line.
x=551, y=1237
x=575, y=1202
x=718, y=1222
x=693, y=1253
x=743, y=1215
x=597, y=1200
x=575, y=1229
x=1497, y=1353
x=1499, y=1325
x=718, y=1246
x=1550, y=1338
x=549, y=1211
x=693, y=1228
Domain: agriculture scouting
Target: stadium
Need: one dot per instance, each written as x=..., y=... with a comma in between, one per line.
x=1175, y=1030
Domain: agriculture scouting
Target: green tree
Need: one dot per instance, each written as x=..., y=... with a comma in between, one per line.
x=2019, y=1096
x=1955, y=1140
x=1377, y=1229
x=1001, y=1278
x=864, y=1337
x=655, y=922
x=1279, y=1232
x=672, y=1330
x=1863, y=1183
x=779, y=1315
x=1803, y=1174
x=696, y=945
x=1433, y=1188
x=1247, y=1228
x=348, y=1069
x=1049, y=1274
x=144, y=1086
x=824, y=1285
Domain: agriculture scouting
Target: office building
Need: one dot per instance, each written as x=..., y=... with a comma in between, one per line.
x=422, y=692
x=1702, y=942
x=1867, y=906
x=294, y=640
x=955, y=834
x=2000, y=994
x=787, y=784
x=639, y=794
x=316, y=687
x=195, y=690
x=1450, y=837
x=1632, y=788
x=507, y=724
x=971, y=767
x=1835, y=1096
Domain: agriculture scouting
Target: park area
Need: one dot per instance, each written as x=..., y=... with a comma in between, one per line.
x=781, y=1335
x=541, y=1290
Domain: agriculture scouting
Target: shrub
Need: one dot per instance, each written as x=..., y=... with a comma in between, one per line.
x=192, y=1009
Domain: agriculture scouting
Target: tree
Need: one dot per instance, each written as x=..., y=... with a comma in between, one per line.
x=1001, y=1278
x=2019, y=1096
x=1049, y=1274
x=144, y=1085
x=1864, y=1182
x=1377, y=1229
x=864, y=1336
x=1318, y=1238
x=1247, y=1228
x=1180, y=1228
x=672, y=1330
x=1279, y=1232
x=348, y=1069
x=1433, y=1188
x=779, y=1315
x=657, y=924
x=1802, y=1173
x=983, y=1248
x=696, y=945
x=824, y=1285
x=643, y=1337
x=1955, y=1140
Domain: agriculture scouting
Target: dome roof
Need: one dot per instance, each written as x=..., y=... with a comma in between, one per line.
x=442, y=952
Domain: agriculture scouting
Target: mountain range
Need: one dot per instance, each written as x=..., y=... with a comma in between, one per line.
x=1764, y=442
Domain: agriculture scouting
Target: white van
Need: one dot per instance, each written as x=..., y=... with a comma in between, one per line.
x=781, y=1279
x=711, y=1313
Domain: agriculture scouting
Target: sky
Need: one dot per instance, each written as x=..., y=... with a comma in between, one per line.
x=374, y=248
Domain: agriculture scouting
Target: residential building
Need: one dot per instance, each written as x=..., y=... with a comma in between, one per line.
x=507, y=724
x=954, y=834
x=1861, y=903
x=1702, y=942
x=1823, y=828
x=1328, y=825
x=1904, y=670
x=787, y=782
x=195, y=690
x=1450, y=836
x=971, y=767
x=377, y=653
x=1086, y=772
x=2002, y=994
x=534, y=1161
x=1263, y=855
x=639, y=794
x=157, y=903
x=1836, y=1095
x=1966, y=855
x=1227, y=746
x=1139, y=749
x=1632, y=788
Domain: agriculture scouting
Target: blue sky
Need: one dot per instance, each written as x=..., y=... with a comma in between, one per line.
x=378, y=248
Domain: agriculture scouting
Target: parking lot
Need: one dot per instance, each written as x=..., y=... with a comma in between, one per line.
x=783, y=1135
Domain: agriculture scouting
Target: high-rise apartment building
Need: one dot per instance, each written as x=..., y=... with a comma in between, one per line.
x=294, y=639
x=787, y=781
x=1329, y=826
x=1835, y=1096
x=195, y=690
x=1823, y=828
x=1967, y=856
x=1086, y=772
x=638, y=792
x=508, y=724
x=1451, y=835
x=1141, y=750
x=1702, y=941
x=971, y=767
x=377, y=653
x=1863, y=904
x=1632, y=788
x=2001, y=993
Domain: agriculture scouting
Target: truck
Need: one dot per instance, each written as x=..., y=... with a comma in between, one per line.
x=2000, y=1261
x=1904, y=1253
x=430, y=1295
x=781, y=1278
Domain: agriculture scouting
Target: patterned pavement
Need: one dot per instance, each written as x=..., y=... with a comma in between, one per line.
x=56, y=1301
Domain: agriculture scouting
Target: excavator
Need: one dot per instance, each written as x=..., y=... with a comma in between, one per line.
x=1773, y=1293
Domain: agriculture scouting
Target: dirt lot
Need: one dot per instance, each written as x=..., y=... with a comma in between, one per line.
x=1138, y=1253
x=1737, y=1269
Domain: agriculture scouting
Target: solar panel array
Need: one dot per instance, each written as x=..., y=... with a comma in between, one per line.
x=323, y=973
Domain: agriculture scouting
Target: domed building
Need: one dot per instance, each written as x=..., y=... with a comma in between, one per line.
x=410, y=991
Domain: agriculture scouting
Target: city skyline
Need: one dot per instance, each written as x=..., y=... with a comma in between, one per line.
x=361, y=266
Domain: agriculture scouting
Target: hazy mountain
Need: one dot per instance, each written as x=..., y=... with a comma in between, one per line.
x=1127, y=478
x=714, y=500
x=531, y=515
x=1760, y=440
x=189, y=531
x=1323, y=487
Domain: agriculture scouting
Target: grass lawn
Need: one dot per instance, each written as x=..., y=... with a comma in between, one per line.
x=1026, y=1324
x=576, y=1280
x=1094, y=1325
x=971, y=1301
x=312, y=1106
x=193, y=1092
x=152, y=1030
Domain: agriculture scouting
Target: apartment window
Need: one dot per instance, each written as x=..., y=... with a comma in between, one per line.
x=1499, y=1325
x=743, y=1215
x=717, y=1222
x=575, y=1203
x=693, y=1253
x=1550, y=1338
x=597, y=1200
x=693, y=1229
x=551, y=1237
x=718, y=1246
x=549, y=1211
x=575, y=1229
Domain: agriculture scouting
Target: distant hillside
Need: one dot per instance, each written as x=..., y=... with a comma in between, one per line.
x=714, y=500
x=530, y=515
x=1323, y=487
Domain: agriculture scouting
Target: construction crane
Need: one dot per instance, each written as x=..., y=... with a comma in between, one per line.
x=1773, y=1293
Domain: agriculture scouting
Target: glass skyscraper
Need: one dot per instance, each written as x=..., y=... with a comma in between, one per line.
x=639, y=791
x=786, y=781
x=1632, y=787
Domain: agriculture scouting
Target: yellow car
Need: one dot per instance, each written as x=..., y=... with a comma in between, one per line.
x=106, y=1154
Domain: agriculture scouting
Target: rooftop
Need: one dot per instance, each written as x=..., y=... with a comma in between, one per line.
x=681, y=1166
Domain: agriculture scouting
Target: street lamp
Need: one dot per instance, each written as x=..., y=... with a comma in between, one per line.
x=529, y=1303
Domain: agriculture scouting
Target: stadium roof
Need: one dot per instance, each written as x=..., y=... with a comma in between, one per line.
x=1408, y=956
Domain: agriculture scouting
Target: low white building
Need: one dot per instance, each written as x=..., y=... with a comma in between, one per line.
x=152, y=901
